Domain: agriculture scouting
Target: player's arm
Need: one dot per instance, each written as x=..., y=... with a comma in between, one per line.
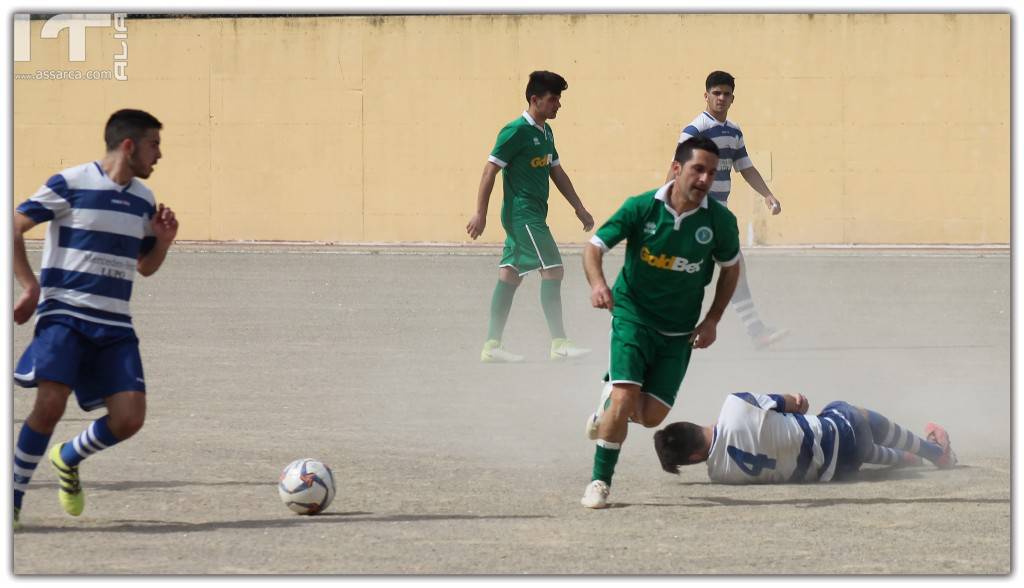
x=593, y=258
x=612, y=232
x=784, y=403
x=476, y=224
x=165, y=227
x=707, y=331
x=797, y=403
x=564, y=185
x=753, y=177
x=26, y=304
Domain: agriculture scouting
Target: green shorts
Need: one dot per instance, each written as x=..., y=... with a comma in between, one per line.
x=529, y=247
x=642, y=355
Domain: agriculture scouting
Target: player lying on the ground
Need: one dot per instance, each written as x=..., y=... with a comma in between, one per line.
x=769, y=439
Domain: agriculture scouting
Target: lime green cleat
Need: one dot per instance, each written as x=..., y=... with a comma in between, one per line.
x=72, y=499
x=493, y=352
x=562, y=348
x=17, y=520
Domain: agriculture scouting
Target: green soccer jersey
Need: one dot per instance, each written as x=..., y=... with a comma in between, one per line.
x=526, y=154
x=669, y=258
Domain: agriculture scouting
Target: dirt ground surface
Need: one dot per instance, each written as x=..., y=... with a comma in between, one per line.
x=367, y=359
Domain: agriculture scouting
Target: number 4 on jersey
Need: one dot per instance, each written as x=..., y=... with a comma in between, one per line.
x=750, y=463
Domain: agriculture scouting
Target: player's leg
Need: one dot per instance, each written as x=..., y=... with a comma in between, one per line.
x=501, y=305
x=501, y=301
x=51, y=365
x=546, y=252
x=551, y=300
x=743, y=303
x=126, y=413
x=611, y=433
x=113, y=378
x=663, y=379
x=628, y=352
x=34, y=437
x=887, y=434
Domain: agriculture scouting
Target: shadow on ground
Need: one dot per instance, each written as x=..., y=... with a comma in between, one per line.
x=164, y=527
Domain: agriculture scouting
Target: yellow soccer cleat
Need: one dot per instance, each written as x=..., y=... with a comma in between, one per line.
x=17, y=520
x=72, y=499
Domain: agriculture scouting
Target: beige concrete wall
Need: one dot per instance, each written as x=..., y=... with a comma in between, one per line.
x=870, y=128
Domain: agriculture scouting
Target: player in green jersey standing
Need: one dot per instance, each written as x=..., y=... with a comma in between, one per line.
x=525, y=151
x=674, y=236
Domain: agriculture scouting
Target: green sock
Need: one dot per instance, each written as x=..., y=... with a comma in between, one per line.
x=501, y=303
x=551, y=300
x=605, y=457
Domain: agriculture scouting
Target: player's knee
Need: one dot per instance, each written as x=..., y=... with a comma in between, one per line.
x=509, y=276
x=125, y=425
x=45, y=416
x=651, y=421
x=622, y=407
x=555, y=273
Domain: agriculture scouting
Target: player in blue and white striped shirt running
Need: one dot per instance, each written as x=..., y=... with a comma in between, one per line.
x=714, y=124
x=105, y=225
x=769, y=438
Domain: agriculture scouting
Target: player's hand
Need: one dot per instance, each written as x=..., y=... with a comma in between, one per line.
x=585, y=218
x=800, y=404
x=165, y=225
x=705, y=334
x=476, y=224
x=26, y=304
x=773, y=204
x=601, y=297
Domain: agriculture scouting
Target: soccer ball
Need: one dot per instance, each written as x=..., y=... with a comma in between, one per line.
x=306, y=486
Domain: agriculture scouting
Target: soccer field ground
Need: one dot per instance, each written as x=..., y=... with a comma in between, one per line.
x=368, y=359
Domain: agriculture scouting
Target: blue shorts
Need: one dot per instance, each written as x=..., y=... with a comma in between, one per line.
x=854, y=436
x=94, y=360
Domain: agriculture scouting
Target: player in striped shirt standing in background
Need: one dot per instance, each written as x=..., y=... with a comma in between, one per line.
x=104, y=226
x=714, y=124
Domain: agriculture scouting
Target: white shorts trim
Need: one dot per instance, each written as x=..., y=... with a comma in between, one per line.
x=537, y=249
x=659, y=399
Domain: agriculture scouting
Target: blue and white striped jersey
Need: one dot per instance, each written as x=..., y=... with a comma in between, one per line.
x=755, y=442
x=732, y=153
x=97, y=231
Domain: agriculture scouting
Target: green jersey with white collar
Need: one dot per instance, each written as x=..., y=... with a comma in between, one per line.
x=526, y=153
x=669, y=258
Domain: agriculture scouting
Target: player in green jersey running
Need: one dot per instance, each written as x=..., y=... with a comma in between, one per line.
x=525, y=152
x=674, y=235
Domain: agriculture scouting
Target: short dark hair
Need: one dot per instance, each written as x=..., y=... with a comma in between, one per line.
x=544, y=82
x=719, y=78
x=684, y=150
x=128, y=124
x=676, y=443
